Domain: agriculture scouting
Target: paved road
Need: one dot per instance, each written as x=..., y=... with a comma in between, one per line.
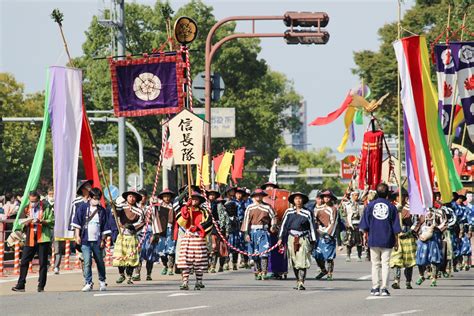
x=236, y=293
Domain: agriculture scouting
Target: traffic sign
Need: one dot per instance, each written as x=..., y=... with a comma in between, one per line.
x=199, y=86
x=114, y=191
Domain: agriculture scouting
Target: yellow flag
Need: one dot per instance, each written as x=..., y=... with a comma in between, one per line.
x=224, y=168
x=205, y=171
x=348, y=118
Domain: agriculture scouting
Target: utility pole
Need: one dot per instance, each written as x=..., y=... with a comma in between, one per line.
x=122, y=150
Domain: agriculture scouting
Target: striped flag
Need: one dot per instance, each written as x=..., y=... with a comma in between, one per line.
x=427, y=145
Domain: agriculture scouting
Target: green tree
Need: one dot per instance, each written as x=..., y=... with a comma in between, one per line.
x=18, y=140
x=259, y=94
x=379, y=68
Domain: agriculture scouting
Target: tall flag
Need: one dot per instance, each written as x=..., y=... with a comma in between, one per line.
x=238, y=167
x=35, y=171
x=420, y=106
x=147, y=86
x=463, y=56
x=224, y=168
x=217, y=162
x=65, y=111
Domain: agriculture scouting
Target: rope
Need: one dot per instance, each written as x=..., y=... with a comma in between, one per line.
x=219, y=232
x=188, y=73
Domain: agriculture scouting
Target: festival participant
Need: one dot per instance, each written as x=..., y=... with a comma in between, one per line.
x=38, y=224
x=234, y=235
x=449, y=241
x=130, y=219
x=460, y=211
x=197, y=224
x=269, y=186
x=218, y=247
x=352, y=213
x=405, y=255
x=381, y=225
x=90, y=231
x=299, y=234
x=167, y=245
x=242, y=203
x=429, y=244
x=147, y=252
x=325, y=251
x=259, y=222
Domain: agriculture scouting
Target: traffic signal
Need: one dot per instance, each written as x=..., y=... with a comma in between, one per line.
x=306, y=37
x=306, y=19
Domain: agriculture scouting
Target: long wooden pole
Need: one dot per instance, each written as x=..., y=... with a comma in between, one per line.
x=102, y=173
x=399, y=110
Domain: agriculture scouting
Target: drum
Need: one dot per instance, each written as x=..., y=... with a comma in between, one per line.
x=278, y=200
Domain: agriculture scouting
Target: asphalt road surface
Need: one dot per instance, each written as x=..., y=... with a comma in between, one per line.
x=237, y=293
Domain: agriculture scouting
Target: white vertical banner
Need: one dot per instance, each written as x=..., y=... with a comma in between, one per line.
x=186, y=138
x=65, y=110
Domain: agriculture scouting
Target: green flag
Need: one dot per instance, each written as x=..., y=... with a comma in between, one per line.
x=35, y=170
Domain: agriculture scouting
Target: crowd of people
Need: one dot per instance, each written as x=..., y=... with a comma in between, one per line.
x=195, y=231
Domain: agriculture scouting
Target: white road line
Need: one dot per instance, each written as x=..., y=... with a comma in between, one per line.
x=404, y=313
x=365, y=277
x=181, y=294
x=132, y=293
x=172, y=310
x=376, y=297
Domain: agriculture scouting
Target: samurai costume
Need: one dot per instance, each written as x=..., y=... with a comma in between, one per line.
x=299, y=234
x=258, y=221
x=405, y=255
x=197, y=224
x=429, y=244
x=126, y=255
x=450, y=249
x=233, y=232
x=241, y=208
x=167, y=244
x=37, y=241
x=218, y=247
x=325, y=251
x=352, y=213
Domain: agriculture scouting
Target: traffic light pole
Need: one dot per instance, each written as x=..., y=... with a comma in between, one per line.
x=292, y=19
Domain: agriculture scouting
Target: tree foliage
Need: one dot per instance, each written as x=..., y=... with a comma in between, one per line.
x=379, y=68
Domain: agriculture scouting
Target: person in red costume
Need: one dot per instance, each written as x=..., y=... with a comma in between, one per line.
x=197, y=223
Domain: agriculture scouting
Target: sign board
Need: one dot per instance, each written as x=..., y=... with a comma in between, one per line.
x=107, y=150
x=222, y=121
x=199, y=86
x=347, y=166
x=114, y=191
x=186, y=138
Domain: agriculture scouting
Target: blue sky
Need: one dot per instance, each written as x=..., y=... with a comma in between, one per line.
x=30, y=43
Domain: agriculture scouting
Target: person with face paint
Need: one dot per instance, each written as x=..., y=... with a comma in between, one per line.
x=167, y=245
x=130, y=220
x=38, y=228
x=197, y=223
x=91, y=229
x=259, y=221
x=298, y=232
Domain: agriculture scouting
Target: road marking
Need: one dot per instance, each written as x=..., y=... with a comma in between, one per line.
x=181, y=294
x=132, y=293
x=376, y=297
x=404, y=313
x=172, y=310
x=365, y=277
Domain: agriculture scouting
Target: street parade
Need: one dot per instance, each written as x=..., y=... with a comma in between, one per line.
x=229, y=211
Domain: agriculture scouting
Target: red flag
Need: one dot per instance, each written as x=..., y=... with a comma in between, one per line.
x=217, y=161
x=333, y=115
x=238, y=167
x=88, y=158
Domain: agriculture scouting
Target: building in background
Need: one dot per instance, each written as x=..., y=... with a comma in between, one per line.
x=297, y=139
